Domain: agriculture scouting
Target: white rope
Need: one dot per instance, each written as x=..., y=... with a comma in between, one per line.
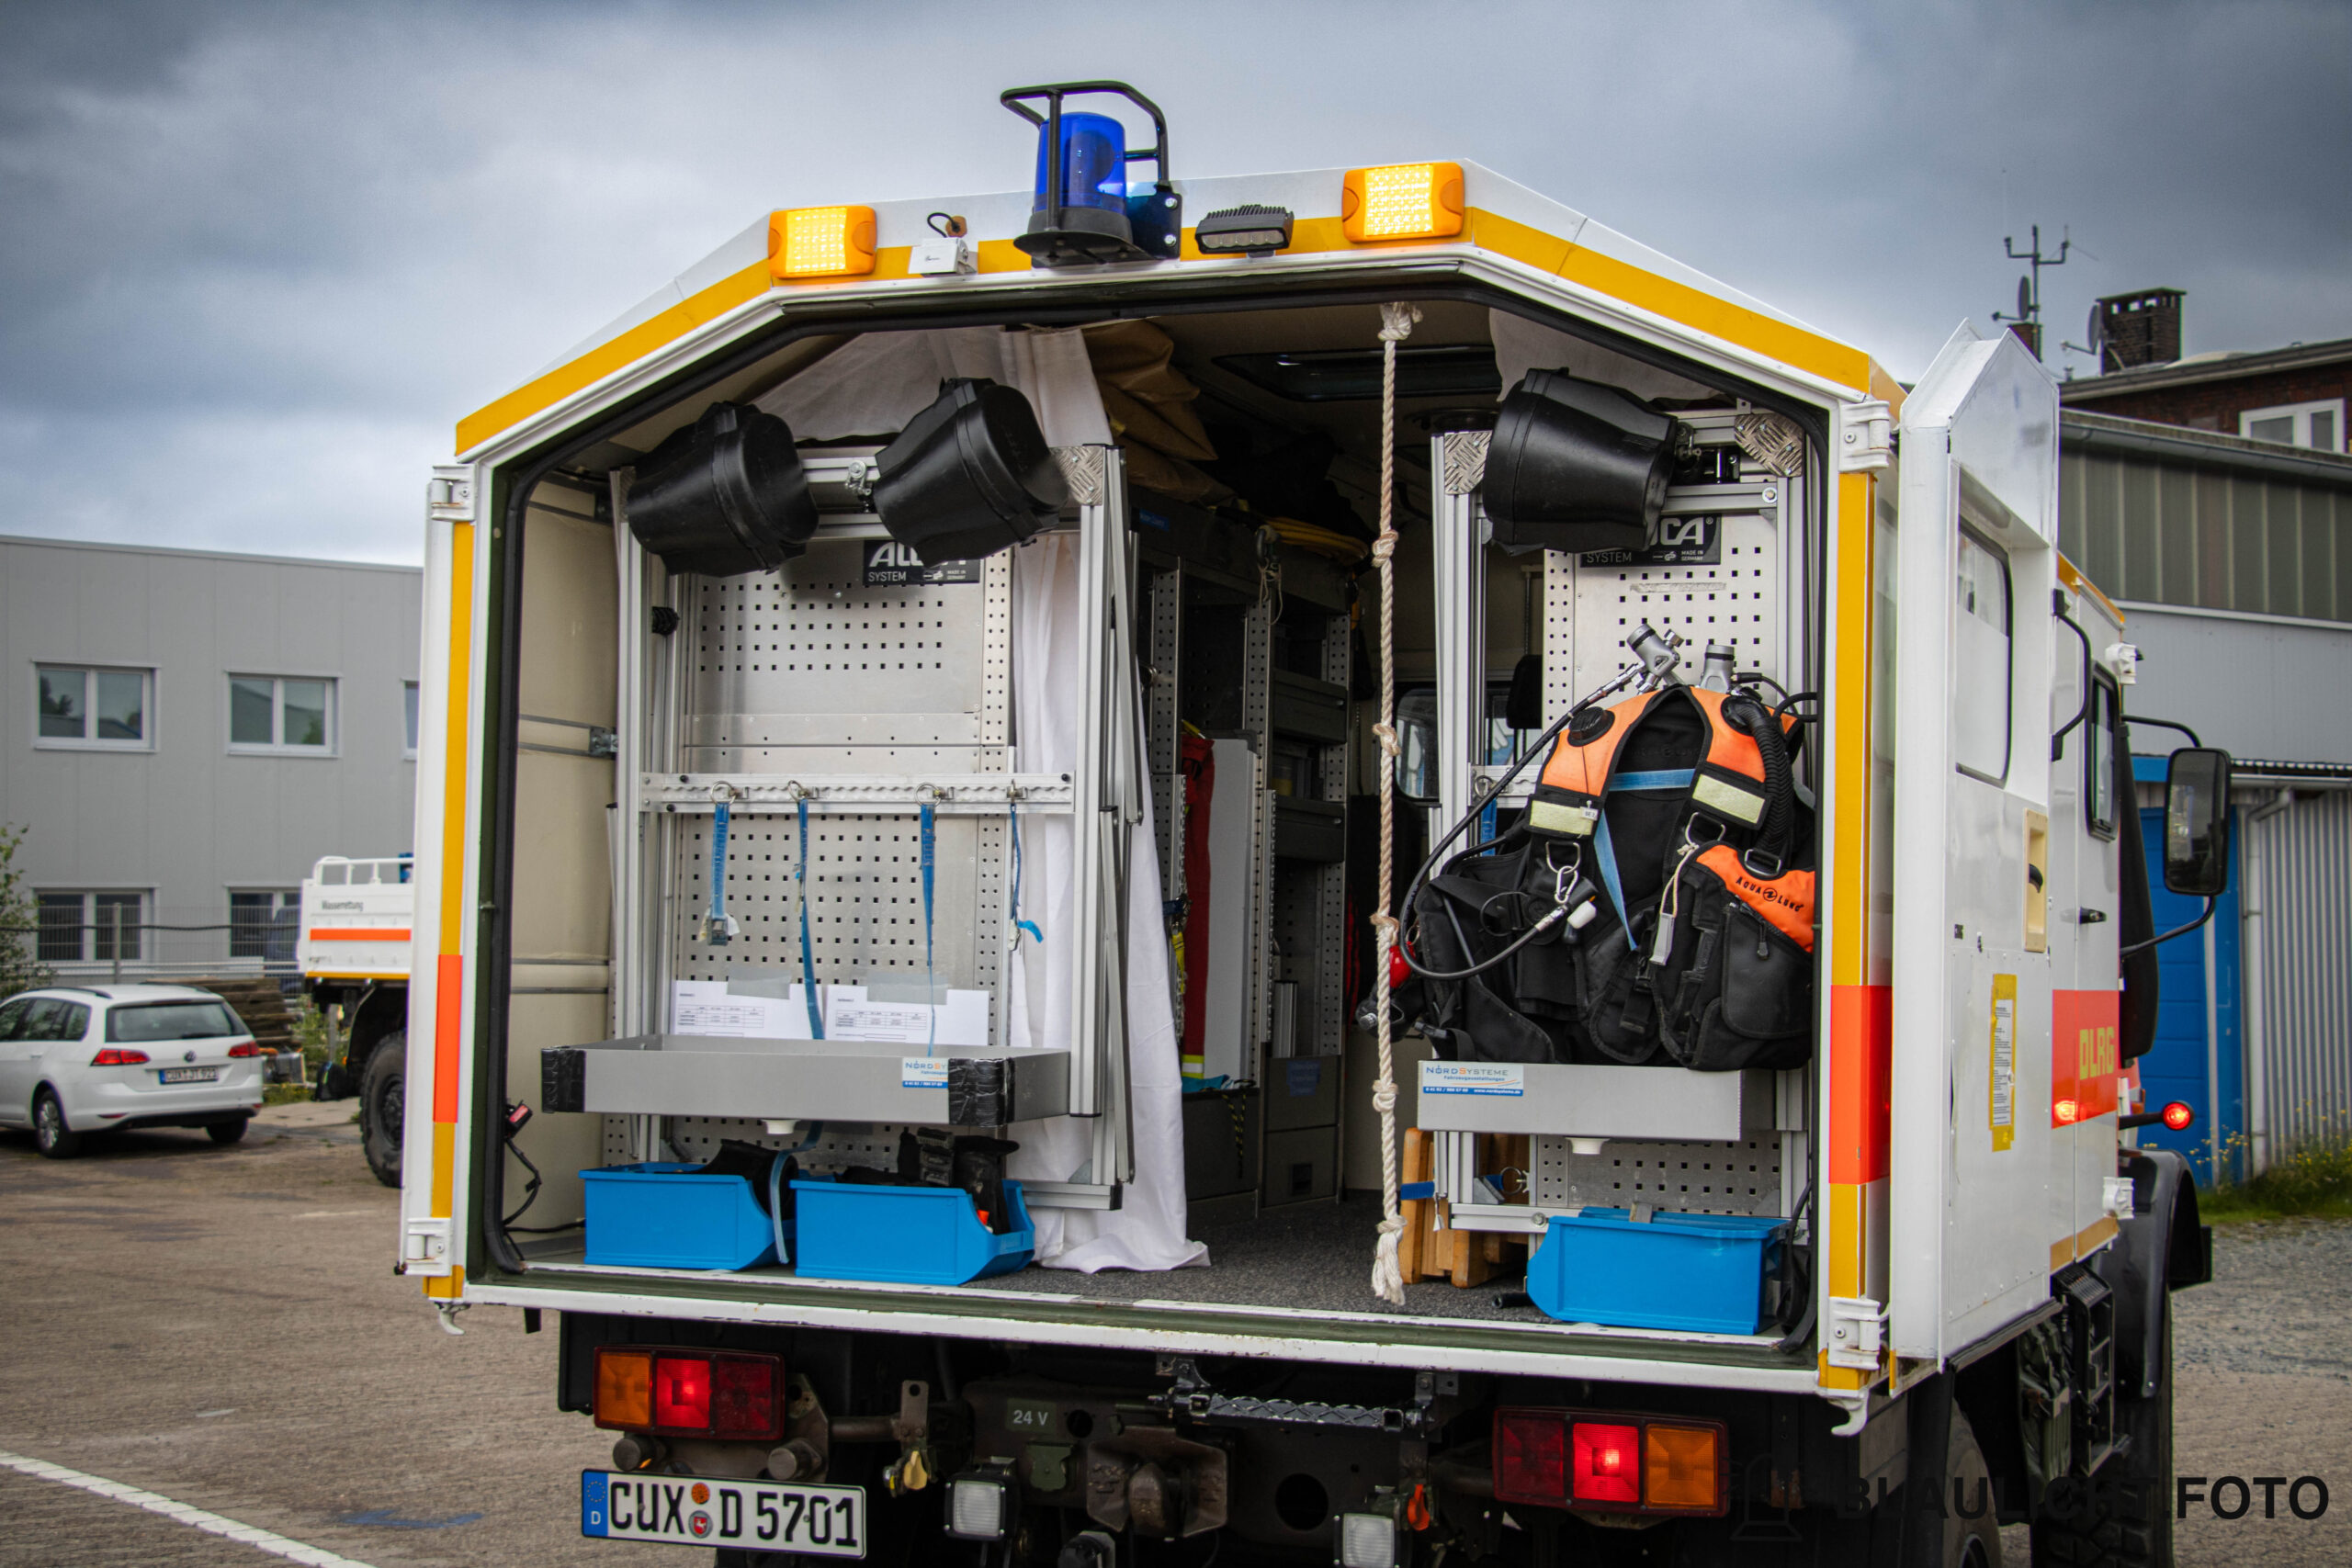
x=1387, y=1276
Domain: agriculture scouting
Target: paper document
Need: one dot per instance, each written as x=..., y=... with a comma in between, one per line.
x=712, y=1008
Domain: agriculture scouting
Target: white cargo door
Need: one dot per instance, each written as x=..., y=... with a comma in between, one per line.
x=1972, y=1194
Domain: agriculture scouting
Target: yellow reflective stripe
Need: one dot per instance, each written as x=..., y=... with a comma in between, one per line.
x=1790, y=344
x=1740, y=805
x=1553, y=817
x=1848, y=710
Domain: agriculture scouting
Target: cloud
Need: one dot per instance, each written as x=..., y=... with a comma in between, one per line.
x=260, y=257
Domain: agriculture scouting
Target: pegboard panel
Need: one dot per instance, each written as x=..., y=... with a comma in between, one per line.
x=807, y=669
x=1741, y=1177
x=865, y=898
x=1734, y=600
x=617, y=1148
x=839, y=1143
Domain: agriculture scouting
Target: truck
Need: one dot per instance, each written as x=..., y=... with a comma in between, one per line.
x=353, y=943
x=1210, y=773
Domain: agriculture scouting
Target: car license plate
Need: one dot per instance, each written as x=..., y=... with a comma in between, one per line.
x=190, y=1075
x=695, y=1510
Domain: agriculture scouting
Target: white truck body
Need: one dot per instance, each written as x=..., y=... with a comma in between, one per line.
x=554, y=888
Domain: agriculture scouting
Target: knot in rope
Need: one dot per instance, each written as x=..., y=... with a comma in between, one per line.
x=1383, y=548
x=1387, y=735
x=1383, y=1098
x=1396, y=321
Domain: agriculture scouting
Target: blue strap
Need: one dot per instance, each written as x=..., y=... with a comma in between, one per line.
x=715, y=929
x=1664, y=778
x=1013, y=809
x=808, y=958
x=1608, y=856
x=930, y=975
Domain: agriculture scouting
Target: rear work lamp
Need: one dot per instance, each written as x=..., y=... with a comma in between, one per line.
x=821, y=242
x=1612, y=1463
x=725, y=495
x=1576, y=465
x=969, y=475
x=1081, y=211
x=1402, y=201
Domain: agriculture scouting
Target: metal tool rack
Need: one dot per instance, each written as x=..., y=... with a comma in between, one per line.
x=1199, y=574
x=1712, y=1142
x=864, y=703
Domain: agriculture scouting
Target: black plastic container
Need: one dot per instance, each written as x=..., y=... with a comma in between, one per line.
x=1576, y=465
x=969, y=475
x=724, y=496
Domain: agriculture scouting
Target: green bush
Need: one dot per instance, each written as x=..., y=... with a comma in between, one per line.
x=2314, y=1178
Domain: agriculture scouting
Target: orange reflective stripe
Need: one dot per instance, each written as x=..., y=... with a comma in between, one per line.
x=1786, y=902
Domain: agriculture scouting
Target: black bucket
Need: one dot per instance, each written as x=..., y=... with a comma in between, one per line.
x=1576, y=465
x=969, y=475
x=724, y=496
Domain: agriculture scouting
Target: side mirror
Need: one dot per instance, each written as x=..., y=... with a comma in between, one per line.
x=2197, y=822
x=1417, y=747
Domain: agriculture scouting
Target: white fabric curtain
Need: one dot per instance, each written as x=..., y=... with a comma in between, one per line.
x=1050, y=648
x=875, y=384
x=1522, y=346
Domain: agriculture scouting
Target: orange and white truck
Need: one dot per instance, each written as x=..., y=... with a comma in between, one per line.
x=981, y=588
x=353, y=945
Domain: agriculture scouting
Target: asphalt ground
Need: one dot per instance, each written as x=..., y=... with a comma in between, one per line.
x=222, y=1326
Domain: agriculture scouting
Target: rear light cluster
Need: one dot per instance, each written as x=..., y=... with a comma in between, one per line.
x=247, y=1049
x=689, y=1394
x=116, y=1056
x=1613, y=1464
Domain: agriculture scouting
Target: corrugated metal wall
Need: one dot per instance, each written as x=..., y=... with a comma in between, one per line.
x=2299, y=1067
x=2207, y=538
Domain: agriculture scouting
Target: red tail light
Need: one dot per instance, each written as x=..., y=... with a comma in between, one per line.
x=1608, y=1463
x=1612, y=1463
x=689, y=1394
x=681, y=1393
x=247, y=1049
x=2178, y=1116
x=114, y=1056
x=1530, y=1457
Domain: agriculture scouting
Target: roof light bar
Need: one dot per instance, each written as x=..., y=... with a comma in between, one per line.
x=1402, y=201
x=821, y=242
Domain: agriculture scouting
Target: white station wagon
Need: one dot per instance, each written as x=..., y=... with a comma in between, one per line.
x=77, y=1060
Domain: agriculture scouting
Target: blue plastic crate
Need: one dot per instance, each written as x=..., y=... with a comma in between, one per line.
x=674, y=1217
x=1698, y=1273
x=909, y=1236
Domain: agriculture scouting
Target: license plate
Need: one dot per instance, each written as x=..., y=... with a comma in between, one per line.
x=693, y=1510
x=190, y=1075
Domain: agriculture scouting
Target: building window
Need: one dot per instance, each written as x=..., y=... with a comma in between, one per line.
x=281, y=713
x=408, y=716
x=80, y=927
x=81, y=707
x=262, y=923
x=2319, y=426
x=1981, y=662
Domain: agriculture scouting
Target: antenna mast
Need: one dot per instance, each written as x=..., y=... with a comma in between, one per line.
x=2027, y=322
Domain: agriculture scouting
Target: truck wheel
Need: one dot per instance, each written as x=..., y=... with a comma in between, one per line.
x=51, y=1136
x=2121, y=1517
x=383, y=1106
x=1970, y=1543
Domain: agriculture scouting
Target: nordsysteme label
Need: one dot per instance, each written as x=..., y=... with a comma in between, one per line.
x=923, y=1072
x=1473, y=1077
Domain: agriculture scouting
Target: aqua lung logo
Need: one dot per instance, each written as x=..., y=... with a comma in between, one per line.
x=1696, y=540
x=889, y=564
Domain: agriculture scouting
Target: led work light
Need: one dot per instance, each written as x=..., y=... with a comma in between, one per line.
x=979, y=1506
x=821, y=242
x=1402, y=201
x=1248, y=230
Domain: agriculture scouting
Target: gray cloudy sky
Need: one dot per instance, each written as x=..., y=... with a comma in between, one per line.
x=258, y=258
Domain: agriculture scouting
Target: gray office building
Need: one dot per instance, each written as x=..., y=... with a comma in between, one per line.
x=185, y=732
